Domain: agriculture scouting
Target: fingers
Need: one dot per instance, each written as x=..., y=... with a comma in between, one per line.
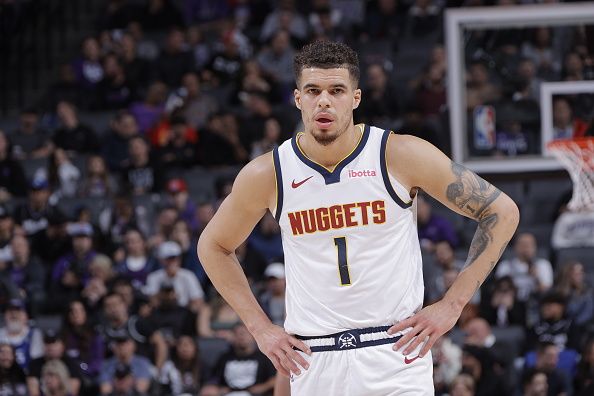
x=299, y=345
x=417, y=341
x=289, y=364
x=279, y=367
x=405, y=339
x=400, y=326
x=296, y=357
x=428, y=345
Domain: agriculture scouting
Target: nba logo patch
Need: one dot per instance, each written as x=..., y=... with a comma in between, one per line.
x=347, y=340
x=484, y=127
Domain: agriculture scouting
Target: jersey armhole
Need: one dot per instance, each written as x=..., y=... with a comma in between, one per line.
x=278, y=181
x=386, y=175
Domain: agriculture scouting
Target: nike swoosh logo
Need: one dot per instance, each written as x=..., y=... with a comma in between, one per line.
x=295, y=185
x=409, y=361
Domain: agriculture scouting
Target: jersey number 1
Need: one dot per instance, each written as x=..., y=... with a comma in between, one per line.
x=343, y=265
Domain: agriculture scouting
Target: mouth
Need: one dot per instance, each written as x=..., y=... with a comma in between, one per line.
x=324, y=120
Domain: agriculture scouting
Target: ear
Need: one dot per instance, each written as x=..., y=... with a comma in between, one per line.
x=356, y=98
x=297, y=96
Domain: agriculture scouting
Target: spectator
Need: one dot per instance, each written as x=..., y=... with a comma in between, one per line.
x=565, y=125
x=244, y=367
x=259, y=109
x=573, y=67
x=503, y=307
x=88, y=69
x=526, y=72
x=266, y=239
x=423, y=17
x=182, y=374
x=225, y=65
x=571, y=284
x=447, y=269
x=97, y=182
x=327, y=23
x=136, y=69
x=141, y=175
x=285, y=18
x=101, y=274
x=55, y=379
x=124, y=383
x=478, y=333
x=7, y=232
x=178, y=196
x=148, y=112
x=53, y=241
x=82, y=343
x=187, y=289
x=118, y=321
x=433, y=228
x=553, y=325
x=182, y=235
x=253, y=79
x=535, y=383
x=168, y=317
x=146, y=49
x=33, y=215
x=530, y=273
x=115, y=145
x=115, y=91
x=166, y=219
x=65, y=88
x=272, y=299
x=161, y=15
x=199, y=46
x=462, y=385
x=277, y=59
x=137, y=263
x=478, y=362
x=430, y=97
x=27, y=341
x=175, y=60
x=540, y=50
x=381, y=106
x=547, y=358
x=447, y=362
x=383, y=22
x=12, y=176
x=73, y=135
x=124, y=362
x=12, y=377
x=479, y=86
x=178, y=149
x=29, y=140
x=217, y=319
x=270, y=140
x=71, y=274
x=584, y=377
x=54, y=350
x=27, y=273
x=197, y=104
x=221, y=145
x=62, y=174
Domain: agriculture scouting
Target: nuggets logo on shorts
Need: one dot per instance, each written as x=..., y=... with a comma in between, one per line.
x=347, y=341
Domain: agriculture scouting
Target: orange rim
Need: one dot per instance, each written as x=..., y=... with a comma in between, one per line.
x=581, y=142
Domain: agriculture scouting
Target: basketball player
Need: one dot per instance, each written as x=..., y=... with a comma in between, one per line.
x=342, y=194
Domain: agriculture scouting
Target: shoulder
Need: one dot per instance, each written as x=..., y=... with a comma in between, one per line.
x=256, y=182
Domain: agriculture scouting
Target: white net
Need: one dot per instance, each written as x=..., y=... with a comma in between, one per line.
x=577, y=156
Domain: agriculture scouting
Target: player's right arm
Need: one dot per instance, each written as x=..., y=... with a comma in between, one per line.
x=254, y=191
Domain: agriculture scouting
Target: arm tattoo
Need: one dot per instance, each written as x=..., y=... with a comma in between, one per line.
x=473, y=196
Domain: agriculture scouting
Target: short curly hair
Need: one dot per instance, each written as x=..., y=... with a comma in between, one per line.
x=327, y=55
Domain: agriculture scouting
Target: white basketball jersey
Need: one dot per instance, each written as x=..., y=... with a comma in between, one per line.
x=352, y=253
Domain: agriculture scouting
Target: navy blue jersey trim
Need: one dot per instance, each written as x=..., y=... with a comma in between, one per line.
x=385, y=175
x=334, y=176
x=354, y=339
x=279, y=185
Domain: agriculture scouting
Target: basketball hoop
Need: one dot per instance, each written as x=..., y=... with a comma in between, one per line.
x=577, y=156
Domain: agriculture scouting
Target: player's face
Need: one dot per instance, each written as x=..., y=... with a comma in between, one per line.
x=326, y=98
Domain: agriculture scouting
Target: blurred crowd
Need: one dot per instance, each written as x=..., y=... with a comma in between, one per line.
x=100, y=284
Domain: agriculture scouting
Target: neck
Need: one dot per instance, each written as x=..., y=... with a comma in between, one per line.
x=333, y=153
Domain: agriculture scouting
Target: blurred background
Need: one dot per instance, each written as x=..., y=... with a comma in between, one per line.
x=124, y=122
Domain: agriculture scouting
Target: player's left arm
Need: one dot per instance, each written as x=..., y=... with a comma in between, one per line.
x=418, y=164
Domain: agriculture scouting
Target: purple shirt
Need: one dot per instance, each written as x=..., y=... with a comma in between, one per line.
x=67, y=262
x=438, y=229
x=146, y=116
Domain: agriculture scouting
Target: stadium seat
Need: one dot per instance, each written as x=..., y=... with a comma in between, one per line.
x=210, y=350
x=584, y=255
x=543, y=197
x=31, y=166
x=99, y=121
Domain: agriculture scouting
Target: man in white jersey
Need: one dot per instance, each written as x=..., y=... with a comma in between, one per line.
x=342, y=195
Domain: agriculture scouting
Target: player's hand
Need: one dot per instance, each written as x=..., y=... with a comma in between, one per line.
x=427, y=326
x=278, y=345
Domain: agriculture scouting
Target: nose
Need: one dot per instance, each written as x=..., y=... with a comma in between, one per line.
x=324, y=100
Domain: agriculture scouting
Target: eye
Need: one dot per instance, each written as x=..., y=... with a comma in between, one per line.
x=313, y=91
x=337, y=91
